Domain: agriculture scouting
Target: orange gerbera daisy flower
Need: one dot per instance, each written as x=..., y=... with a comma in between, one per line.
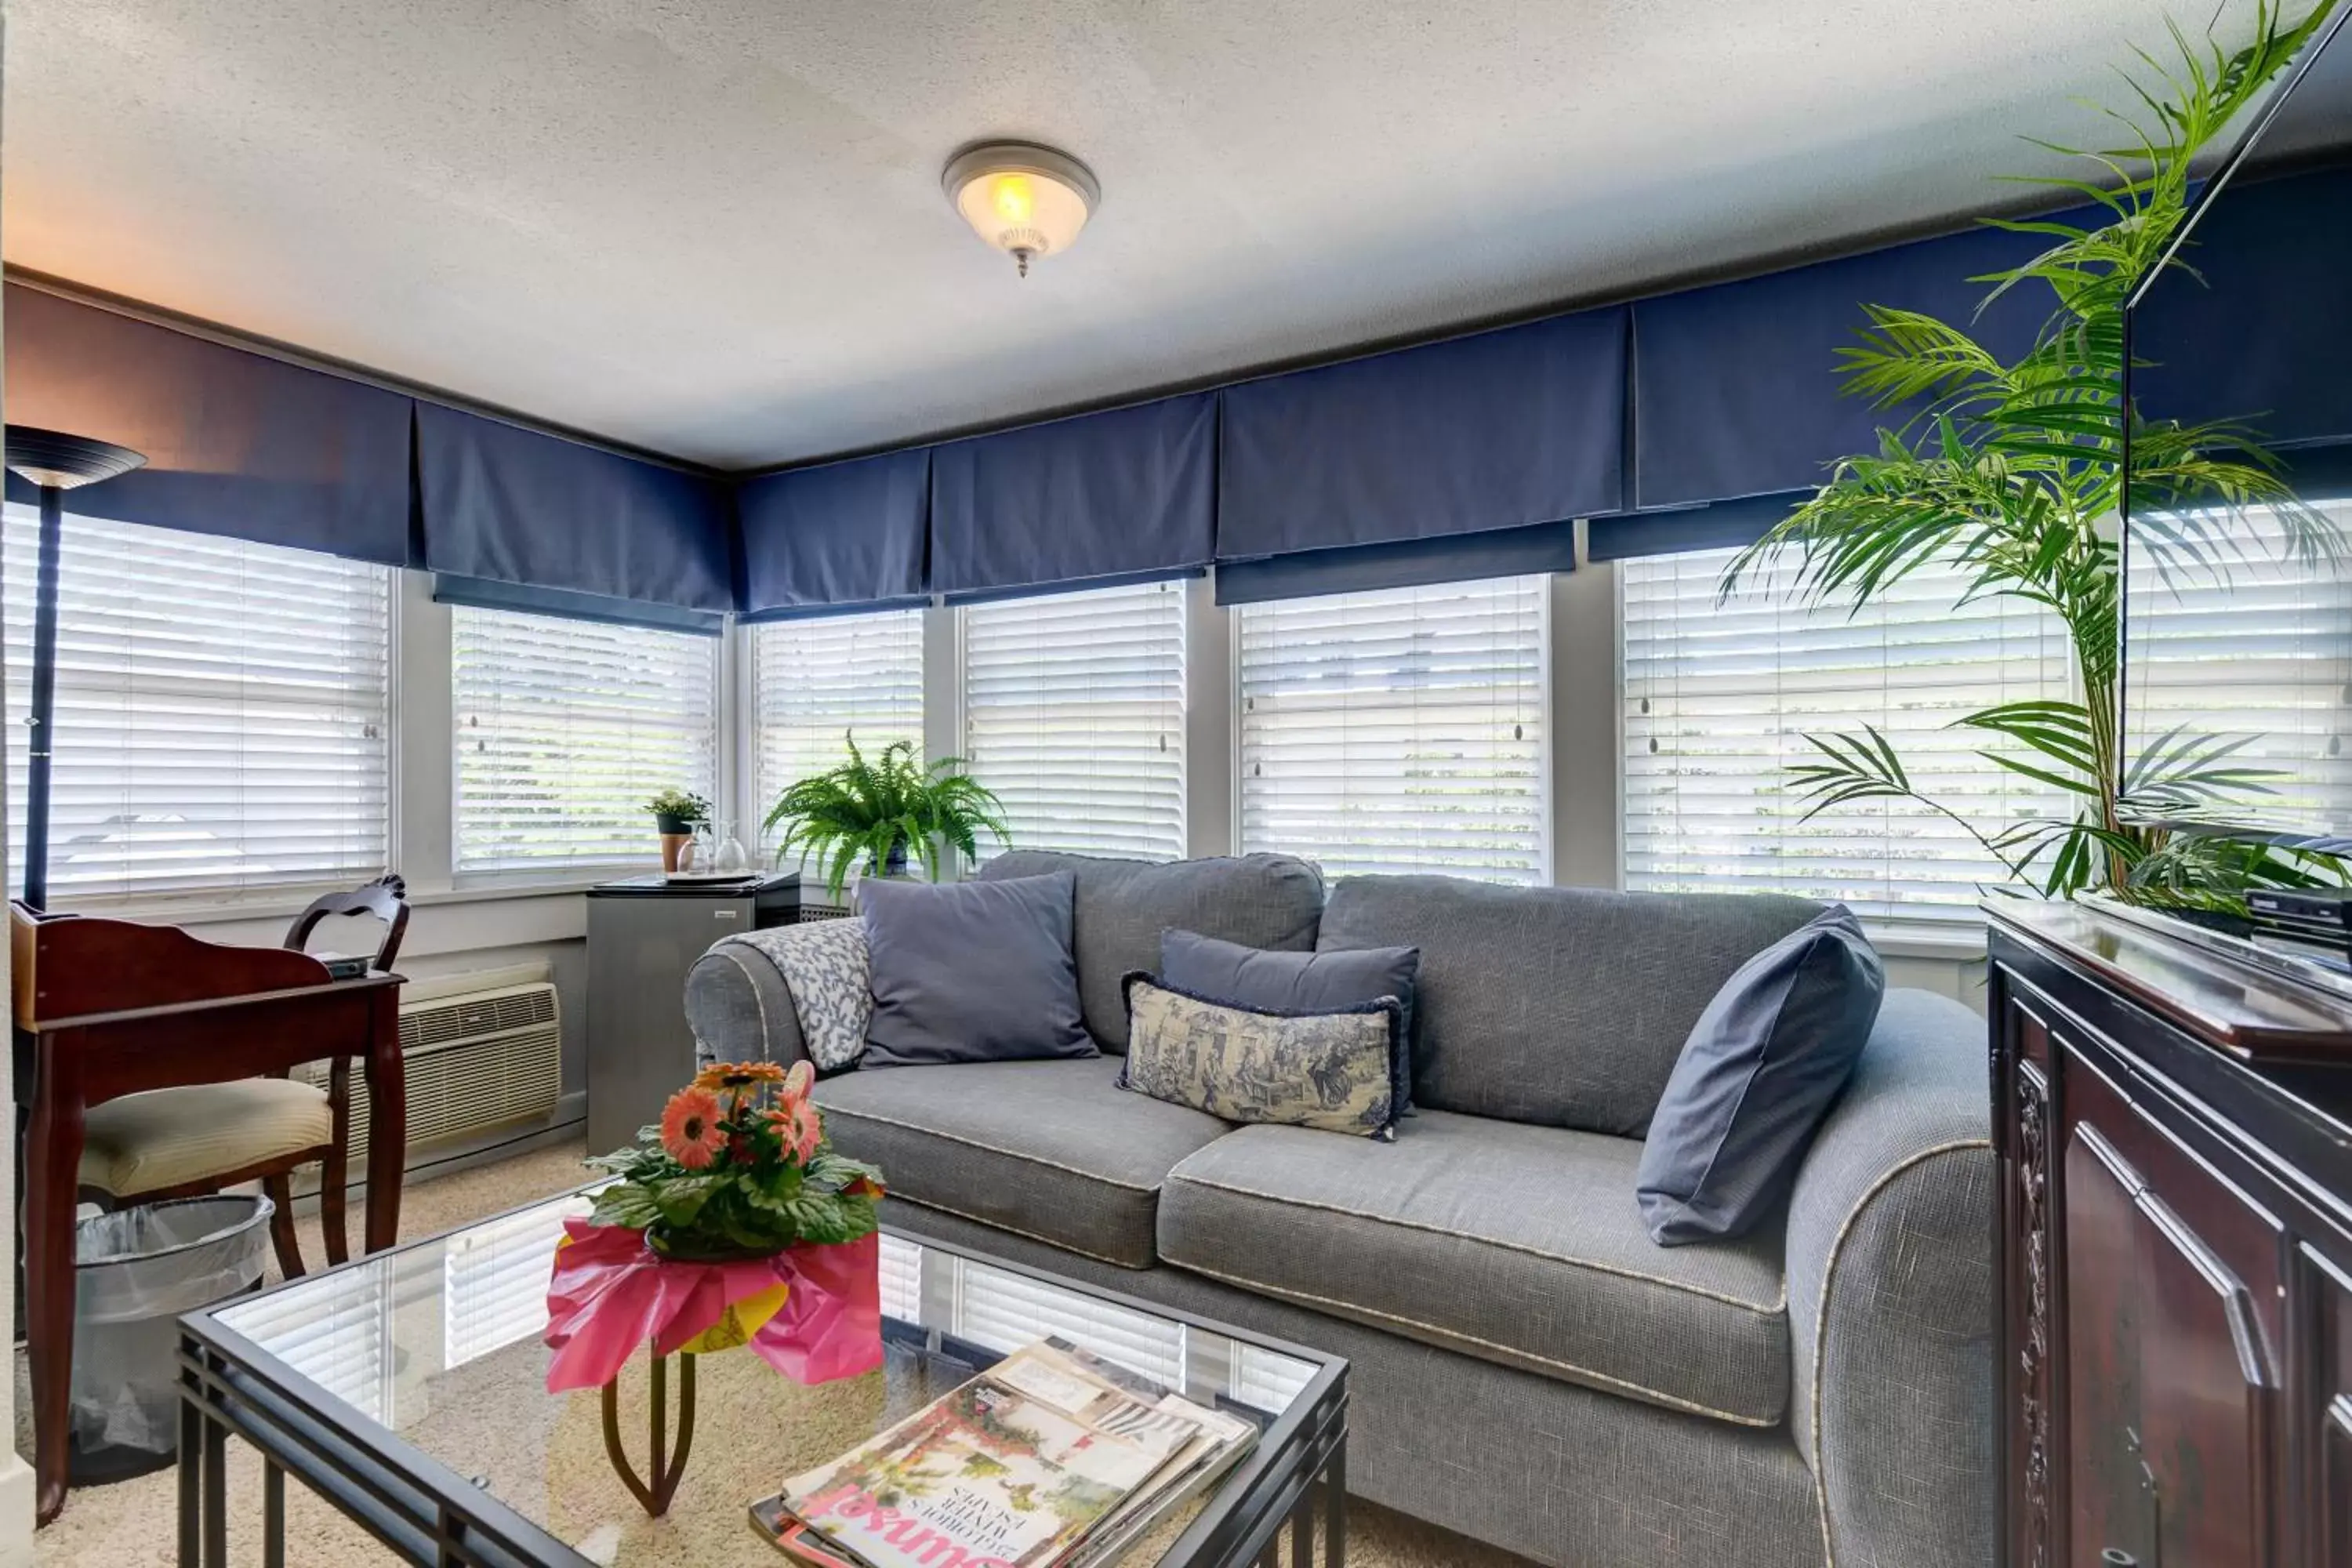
x=738, y=1076
x=798, y=1127
x=690, y=1130
x=797, y=1081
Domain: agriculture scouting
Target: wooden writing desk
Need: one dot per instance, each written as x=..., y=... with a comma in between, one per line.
x=105, y=1008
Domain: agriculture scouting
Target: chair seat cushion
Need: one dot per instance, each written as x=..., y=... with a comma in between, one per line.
x=170, y=1137
x=1516, y=1244
x=1052, y=1150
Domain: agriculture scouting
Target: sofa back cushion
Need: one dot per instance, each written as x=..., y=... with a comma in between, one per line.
x=1562, y=1006
x=1258, y=900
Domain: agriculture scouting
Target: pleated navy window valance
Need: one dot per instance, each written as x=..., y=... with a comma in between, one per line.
x=2264, y=340
x=237, y=444
x=837, y=537
x=511, y=505
x=1501, y=430
x=1098, y=497
x=1736, y=390
x=1726, y=524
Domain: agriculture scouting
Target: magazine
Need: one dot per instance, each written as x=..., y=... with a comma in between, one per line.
x=1051, y=1459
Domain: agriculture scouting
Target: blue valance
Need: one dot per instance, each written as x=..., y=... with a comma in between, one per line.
x=237, y=444
x=1520, y=426
x=515, y=506
x=1725, y=525
x=1736, y=390
x=2265, y=340
x=489, y=593
x=836, y=537
x=1099, y=496
x=1407, y=564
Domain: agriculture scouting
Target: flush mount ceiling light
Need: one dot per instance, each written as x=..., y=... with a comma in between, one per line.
x=1026, y=199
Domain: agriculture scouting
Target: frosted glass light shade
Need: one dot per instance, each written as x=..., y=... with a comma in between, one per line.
x=1026, y=201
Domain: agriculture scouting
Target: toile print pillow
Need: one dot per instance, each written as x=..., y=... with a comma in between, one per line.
x=1335, y=1070
x=823, y=963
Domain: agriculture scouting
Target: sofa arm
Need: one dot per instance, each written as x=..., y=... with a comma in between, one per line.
x=739, y=1007
x=1890, y=1295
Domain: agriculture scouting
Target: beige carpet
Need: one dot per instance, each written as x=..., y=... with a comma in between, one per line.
x=134, y=1524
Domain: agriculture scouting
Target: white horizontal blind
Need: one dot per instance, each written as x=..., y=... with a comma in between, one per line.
x=565, y=729
x=222, y=712
x=2259, y=650
x=814, y=681
x=1005, y=1310
x=1400, y=730
x=1074, y=714
x=901, y=1271
x=333, y=1328
x=1718, y=697
x=1267, y=1380
x=494, y=1280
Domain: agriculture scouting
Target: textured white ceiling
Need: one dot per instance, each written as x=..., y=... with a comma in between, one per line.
x=714, y=227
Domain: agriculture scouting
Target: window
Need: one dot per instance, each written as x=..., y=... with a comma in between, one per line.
x=1005, y=1310
x=2267, y=657
x=1074, y=714
x=1718, y=697
x=566, y=728
x=813, y=681
x=494, y=1280
x=1399, y=731
x=222, y=711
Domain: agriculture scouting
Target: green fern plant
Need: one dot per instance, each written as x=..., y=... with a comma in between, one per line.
x=883, y=809
x=2016, y=472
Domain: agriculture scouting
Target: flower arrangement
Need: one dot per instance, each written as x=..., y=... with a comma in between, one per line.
x=739, y=1167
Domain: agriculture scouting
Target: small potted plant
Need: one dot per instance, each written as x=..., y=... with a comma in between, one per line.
x=886, y=810
x=677, y=814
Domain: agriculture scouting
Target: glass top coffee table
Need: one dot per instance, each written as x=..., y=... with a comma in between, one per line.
x=408, y=1391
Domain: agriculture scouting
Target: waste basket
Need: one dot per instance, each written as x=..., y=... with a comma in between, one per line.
x=135, y=1271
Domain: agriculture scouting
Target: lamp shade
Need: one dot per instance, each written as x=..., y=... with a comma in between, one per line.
x=55, y=460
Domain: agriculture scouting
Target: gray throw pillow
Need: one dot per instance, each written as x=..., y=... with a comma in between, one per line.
x=1762, y=1067
x=971, y=972
x=1268, y=981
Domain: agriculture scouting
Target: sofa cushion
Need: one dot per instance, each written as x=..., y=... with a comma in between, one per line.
x=1519, y=1245
x=1566, y=1007
x=1336, y=1069
x=1295, y=982
x=1258, y=900
x=1053, y=1150
x=1765, y=1063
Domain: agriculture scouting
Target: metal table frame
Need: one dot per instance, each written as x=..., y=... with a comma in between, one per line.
x=427, y=1514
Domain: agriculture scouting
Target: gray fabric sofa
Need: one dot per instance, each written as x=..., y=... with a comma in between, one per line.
x=1527, y=1368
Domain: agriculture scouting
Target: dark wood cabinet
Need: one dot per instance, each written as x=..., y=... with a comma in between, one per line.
x=2174, y=1129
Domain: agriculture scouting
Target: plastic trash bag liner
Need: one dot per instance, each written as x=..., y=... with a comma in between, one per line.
x=135, y=1271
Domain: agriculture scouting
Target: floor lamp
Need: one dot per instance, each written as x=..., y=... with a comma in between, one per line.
x=57, y=462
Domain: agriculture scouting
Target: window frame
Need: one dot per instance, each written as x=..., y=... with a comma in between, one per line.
x=233, y=900
x=572, y=873
x=1546, y=709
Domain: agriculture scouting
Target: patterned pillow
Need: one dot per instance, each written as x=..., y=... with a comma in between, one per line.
x=1334, y=1070
x=823, y=963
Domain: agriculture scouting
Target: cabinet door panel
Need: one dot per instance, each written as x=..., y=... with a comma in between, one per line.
x=2174, y=1427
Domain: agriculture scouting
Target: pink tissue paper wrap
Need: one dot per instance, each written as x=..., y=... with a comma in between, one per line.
x=610, y=1294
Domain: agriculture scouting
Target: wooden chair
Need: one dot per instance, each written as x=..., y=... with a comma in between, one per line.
x=194, y=1141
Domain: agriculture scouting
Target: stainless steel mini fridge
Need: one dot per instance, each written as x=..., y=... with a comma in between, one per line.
x=644, y=934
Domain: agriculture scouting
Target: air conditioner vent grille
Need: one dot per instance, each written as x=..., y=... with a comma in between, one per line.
x=475, y=1061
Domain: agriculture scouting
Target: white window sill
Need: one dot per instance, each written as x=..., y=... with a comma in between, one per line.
x=1957, y=940
x=284, y=904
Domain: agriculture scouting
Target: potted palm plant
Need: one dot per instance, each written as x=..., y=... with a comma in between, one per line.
x=886, y=809
x=2015, y=470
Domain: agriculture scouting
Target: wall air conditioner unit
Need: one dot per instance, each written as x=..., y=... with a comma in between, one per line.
x=483, y=1051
